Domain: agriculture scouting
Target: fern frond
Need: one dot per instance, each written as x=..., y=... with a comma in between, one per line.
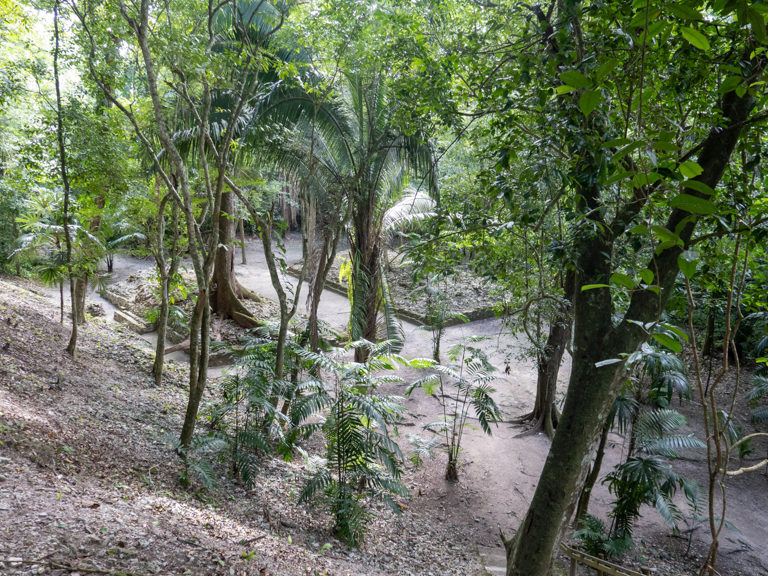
x=246, y=465
x=760, y=414
x=667, y=509
x=486, y=410
x=204, y=472
x=319, y=483
x=668, y=445
x=759, y=388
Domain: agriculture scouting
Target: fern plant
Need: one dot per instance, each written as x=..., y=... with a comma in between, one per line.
x=362, y=462
x=648, y=478
x=245, y=419
x=759, y=389
x=596, y=541
x=642, y=414
x=461, y=386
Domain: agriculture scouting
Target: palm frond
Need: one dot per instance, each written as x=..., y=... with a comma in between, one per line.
x=412, y=208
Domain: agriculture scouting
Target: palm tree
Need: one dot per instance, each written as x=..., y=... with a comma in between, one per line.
x=380, y=154
x=358, y=162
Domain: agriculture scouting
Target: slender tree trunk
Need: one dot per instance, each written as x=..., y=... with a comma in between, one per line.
x=81, y=285
x=165, y=279
x=199, y=344
x=315, y=291
x=286, y=312
x=594, y=473
x=317, y=285
x=709, y=338
x=544, y=415
x=72, y=345
x=265, y=232
x=81, y=291
x=162, y=328
x=61, y=302
x=243, y=259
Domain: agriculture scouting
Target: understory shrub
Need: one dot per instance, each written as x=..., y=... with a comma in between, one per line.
x=362, y=463
x=462, y=386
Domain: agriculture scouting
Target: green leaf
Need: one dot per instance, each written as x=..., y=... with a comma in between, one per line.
x=698, y=186
x=693, y=204
x=690, y=169
x=665, y=146
x=622, y=280
x=679, y=332
x=593, y=286
x=628, y=149
x=619, y=177
x=757, y=22
x=730, y=83
x=589, y=101
x=684, y=12
x=606, y=68
x=666, y=235
x=687, y=262
x=564, y=89
x=576, y=79
x=615, y=142
x=696, y=38
x=646, y=275
x=668, y=342
x=645, y=179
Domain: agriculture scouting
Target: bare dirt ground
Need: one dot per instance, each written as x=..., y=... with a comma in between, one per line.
x=88, y=479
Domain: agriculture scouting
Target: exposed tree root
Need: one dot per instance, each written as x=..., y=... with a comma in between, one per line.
x=248, y=295
x=546, y=423
x=180, y=346
x=231, y=306
x=245, y=320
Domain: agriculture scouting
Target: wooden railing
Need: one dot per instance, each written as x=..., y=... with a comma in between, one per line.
x=603, y=567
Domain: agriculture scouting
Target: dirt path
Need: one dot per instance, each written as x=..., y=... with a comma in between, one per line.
x=499, y=473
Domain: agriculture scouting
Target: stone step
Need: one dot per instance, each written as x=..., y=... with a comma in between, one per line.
x=136, y=324
x=494, y=560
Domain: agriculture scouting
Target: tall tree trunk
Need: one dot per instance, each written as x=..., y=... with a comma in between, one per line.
x=72, y=345
x=81, y=284
x=166, y=274
x=593, y=386
x=162, y=328
x=199, y=348
x=709, y=338
x=286, y=312
x=586, y=492
x=325, y=260
x=365, y=253
x=545, y=415
x=226, y=290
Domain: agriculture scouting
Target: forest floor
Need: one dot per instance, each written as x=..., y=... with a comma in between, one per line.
x=89, y=480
